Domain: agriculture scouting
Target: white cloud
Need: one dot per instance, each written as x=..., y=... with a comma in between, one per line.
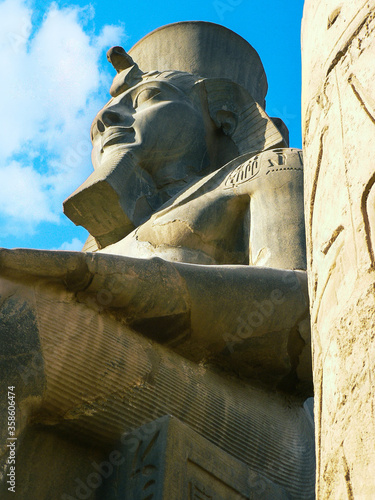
x=24, y=199
x=74, y=246
x=49, y=94
x=23, y=191
x=107, y=37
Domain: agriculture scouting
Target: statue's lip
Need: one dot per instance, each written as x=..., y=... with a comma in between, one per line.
x=117, y=136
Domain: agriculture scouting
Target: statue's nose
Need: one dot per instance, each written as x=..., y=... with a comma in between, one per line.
x=108, y=118
x=114, y=116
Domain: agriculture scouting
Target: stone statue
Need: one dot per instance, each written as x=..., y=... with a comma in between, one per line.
x=189, y=299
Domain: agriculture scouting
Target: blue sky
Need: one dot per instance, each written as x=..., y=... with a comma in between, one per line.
x=56, y=77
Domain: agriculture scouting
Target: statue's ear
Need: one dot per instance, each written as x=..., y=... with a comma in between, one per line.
x=239, y=116
x=226, y=120
x=222, y=99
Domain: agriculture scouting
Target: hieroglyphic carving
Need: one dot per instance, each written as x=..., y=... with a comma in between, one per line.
x=144, y=471
x=198, y=492
x=367, y=209
x=245, y=172
x=367, y=103
x=275, y=160
x=204, y=484
x=314, y=188
x=328, y=244
x=276, y=164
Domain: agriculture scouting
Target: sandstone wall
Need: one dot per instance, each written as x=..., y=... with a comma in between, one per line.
x=338, y=54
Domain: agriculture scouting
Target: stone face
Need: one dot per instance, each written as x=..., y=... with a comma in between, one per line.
x=338, y=122
x=194, y=302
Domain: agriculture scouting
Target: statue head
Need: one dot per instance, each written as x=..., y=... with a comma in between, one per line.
x=173, y=117
x=156, y=122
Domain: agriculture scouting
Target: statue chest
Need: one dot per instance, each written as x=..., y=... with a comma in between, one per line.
x=210, y=229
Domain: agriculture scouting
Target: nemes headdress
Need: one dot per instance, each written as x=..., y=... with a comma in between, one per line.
x=204, y=49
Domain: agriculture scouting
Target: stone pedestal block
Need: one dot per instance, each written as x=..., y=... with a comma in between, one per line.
x=166, y=460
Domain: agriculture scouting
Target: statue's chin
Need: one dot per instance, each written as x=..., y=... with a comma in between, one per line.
x=135, y=187
x=136, y=176
x=114, y=154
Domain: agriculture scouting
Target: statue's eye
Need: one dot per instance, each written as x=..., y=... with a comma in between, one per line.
x=145, y=95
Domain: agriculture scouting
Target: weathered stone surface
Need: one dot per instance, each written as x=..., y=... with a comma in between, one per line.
x=22, y=362
x=250, y=320
x=338, y=121
x=55, y=466
x=102, y=378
